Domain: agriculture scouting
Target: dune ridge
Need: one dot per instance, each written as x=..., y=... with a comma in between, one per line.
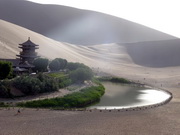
x=76, y=26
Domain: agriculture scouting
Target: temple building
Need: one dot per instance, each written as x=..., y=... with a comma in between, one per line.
x=26, y=57
x=28, y=54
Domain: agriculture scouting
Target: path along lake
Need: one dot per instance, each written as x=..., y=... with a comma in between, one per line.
x=118, y=96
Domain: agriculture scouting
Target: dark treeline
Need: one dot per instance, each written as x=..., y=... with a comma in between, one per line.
x=62, y=74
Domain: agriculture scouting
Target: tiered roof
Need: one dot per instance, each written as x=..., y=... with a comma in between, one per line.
x=28, y=44
x=28, y=54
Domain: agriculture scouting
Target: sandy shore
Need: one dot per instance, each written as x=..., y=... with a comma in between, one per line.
x=158, y=121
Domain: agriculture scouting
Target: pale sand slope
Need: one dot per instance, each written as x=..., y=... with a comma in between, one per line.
x=112, y=58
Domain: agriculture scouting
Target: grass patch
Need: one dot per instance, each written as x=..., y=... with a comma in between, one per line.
x=83, y=98
x=57, y=75
x=63, y=78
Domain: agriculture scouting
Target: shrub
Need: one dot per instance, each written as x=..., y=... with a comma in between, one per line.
x=49, y=85
x=114, y=79
x=62, y=78
x=73, y=66
x=2, y=104
x=27, y=84
x=119, y=80
x=32, y=85
x=5, y=69
x=63, y=82
x=5, y=89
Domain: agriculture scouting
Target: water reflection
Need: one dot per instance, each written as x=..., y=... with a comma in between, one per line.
x=124, y=96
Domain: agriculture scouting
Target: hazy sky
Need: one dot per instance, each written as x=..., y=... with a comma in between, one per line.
x=162, y=15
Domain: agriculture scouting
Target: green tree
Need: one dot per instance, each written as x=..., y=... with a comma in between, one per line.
x=5, y=69
x=63, y=63
x=81, y=74
x=54, y=65
x=41, y=64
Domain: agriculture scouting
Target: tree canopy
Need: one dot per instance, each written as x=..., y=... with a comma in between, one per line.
x=81, y=74
x=58, y=64
x=54, y=65
x=62, y=62
x=41, y=64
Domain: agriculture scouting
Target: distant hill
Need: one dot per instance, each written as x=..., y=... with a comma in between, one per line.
x=163, y=53
x=76, y=26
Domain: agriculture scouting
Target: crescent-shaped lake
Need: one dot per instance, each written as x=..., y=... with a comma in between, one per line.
x=118, y=96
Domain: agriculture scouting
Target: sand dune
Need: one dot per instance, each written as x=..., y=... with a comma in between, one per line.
x=124, y=60
x=98, y=55
x=162, y=53
x=76, y=26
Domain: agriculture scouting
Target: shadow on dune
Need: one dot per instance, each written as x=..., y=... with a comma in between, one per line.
x=155, y=54
x=75, y=26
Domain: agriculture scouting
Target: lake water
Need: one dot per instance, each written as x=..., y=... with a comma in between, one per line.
x=118, y=96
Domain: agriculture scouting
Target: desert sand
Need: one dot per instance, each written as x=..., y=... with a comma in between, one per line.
x=110, y=58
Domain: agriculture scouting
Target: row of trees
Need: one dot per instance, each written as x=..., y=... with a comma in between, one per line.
x=78, y=71
x=40, y=83
x=42, y=64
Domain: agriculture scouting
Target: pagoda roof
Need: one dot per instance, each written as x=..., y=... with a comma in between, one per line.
x=25, y=65
x=29, y=43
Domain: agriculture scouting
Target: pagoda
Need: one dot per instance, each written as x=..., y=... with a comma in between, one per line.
x=28, y=54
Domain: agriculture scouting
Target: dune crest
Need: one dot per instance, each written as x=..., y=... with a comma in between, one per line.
x=76, y=26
